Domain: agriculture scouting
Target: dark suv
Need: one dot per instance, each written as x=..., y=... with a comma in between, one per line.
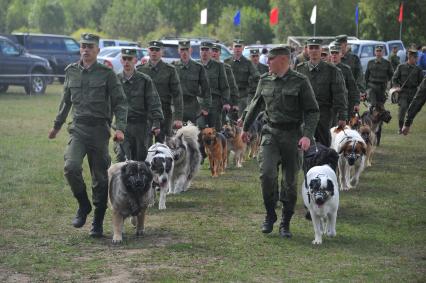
x=21, y=68
x=60, y=50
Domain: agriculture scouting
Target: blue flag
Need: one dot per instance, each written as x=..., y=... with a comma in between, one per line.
x=356, y=14
x=237, y=18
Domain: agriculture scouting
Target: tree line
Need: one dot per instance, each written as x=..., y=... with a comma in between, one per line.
x=144, y=20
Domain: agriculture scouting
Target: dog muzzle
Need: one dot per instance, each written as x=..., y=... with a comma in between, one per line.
x=352, y=158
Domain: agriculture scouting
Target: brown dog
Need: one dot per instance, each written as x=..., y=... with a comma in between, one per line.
x=235, y=143
x=369, y=138
x=216, y=149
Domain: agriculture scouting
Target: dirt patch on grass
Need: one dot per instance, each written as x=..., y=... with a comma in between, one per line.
x=7, y=275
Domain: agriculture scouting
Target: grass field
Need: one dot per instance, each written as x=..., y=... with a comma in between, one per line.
x=212, y=232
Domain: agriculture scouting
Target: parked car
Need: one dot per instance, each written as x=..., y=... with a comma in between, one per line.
x=116, y=42
x=110, y=56
x=364, y=49
x=18, y=67
x=402, y=52
x=59, y=50
x=171, y=50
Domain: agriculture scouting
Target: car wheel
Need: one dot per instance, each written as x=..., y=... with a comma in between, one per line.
x=36, y=84
x=4, y=87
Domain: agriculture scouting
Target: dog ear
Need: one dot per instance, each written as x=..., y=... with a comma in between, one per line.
x=330, y=187
x=169, y=163
x=148, y=165
x=343, y=147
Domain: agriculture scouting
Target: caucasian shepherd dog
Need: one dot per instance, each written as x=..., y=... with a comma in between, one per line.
x=187, y=157
x=130, y=194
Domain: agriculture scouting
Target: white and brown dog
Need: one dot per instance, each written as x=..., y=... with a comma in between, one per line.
x=321, y=196
x=351, y=148
x=161, y=161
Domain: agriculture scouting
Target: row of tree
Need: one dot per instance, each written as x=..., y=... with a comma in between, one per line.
x=144, y=20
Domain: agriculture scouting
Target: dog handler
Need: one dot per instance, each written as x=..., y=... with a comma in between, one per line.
x=94, y=93
x=289, y=102
x=144, y=103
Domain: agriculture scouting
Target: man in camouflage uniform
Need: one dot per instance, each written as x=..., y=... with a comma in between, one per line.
x=351, y=87
x=144, y=106
x=303, y=56
x=245, y=74
x=329, y=87
x=289, y=103
x=415, y=106
x=166, y=81
x=407, y=77
x=94, y=93
x=254, y=58
x=325, y=54
x=352, y=61
x=393, y=57
x=379, y=72
x=195, y=86
x=233, y=88
x=219, y=87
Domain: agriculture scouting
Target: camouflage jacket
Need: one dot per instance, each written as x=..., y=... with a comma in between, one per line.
x=246, y=75
x=353, y=91
x=218, y=82
x=353, y=61
x=409, y=74
x=417, y=103
x=379, y=71
x=233, y=88
x=93, y=93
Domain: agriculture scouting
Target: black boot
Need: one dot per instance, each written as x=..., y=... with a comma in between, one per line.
x=401, y=124
x=285, y=224
x=270, y=219
x=97, y=225
x=83, y=210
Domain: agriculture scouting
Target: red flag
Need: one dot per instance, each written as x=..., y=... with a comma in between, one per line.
x=273, y=17
x=401, y=12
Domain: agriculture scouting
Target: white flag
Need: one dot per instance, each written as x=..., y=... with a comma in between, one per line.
x=314, y=15
x=203, y=20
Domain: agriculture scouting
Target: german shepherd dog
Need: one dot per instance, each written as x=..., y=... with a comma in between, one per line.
x=216, y=148
x=375, y=118
x=235, y=144
x=370, y=139
x=130, y=193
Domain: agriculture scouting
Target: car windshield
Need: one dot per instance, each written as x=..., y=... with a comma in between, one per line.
x=355, y=48
x=109, y=52
x=395, y=44
x=170, y=51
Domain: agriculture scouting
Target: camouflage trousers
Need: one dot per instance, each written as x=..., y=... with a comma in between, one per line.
x=90, y=141
x=192, y=110
x=135, y=144
x=377, y=94
x=214, y=119
x=279, y=148
x=404, y=100
x=322, y=132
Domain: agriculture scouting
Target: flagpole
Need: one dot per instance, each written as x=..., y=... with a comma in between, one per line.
x=316, y=13
x=400, y=30
x=400, y=18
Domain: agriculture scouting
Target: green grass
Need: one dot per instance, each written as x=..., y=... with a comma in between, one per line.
x=212, y=232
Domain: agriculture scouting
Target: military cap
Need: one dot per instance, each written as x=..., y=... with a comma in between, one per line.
x=254, y=51
x=184, y=44
x=127, y=52
x=334, y=47
x=238, y=42
x=216, y=46
x=205, y=44
x=341, y=38
x=279, y=50
x=155, y=44
x=325, y=50
x=89, y=38
x=412, y=51
x=379, y=47
x=314, y=41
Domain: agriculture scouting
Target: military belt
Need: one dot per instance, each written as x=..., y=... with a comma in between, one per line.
x=284, y=126
x=90, y=121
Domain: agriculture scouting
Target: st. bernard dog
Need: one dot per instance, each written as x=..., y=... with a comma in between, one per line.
x=351, y=148
x=321, y=196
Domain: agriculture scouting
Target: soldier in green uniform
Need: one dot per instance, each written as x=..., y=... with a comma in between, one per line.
x=245, y=74
x=379, y=72
x=407, y=77
x=219, y=86
x=166, y=81
x=289, y=103
x=329, y=88
x=415, y=106
x=94, y=93
x=303, y=56
x=144, y=106
x=195, y=86
x=254, y=58
x=352, y=61
x=393, y=57
x=351, y=87
x=325, y=53
x=216, y=51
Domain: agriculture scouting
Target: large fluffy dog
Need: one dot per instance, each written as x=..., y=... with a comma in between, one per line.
x=187, y=157
x=351, y=149
x=216, y=148
x=160, y=158
x=130, y=193
x=235, y=143
x=321, y=197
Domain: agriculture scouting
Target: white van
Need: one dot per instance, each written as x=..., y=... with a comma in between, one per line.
x=116, y=42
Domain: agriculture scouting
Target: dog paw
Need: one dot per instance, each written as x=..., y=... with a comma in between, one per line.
x=140, y=233
x=117, y=240
x=162, y=207
x=331, y=234
x=317, y=242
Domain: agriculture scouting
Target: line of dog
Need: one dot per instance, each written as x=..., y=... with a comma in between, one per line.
x=327, y=170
